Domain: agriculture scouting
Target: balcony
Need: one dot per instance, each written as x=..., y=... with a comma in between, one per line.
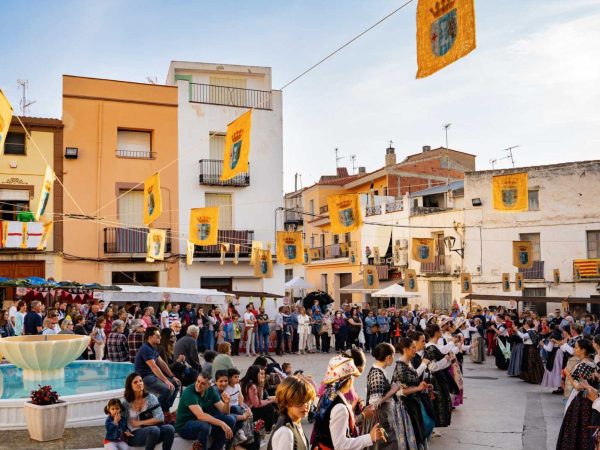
x=210, y=174
x=129, y=241
x=586, y=269
x=333, y=251
x=394, y=206
x=373, y=210
x=437, y=267
x=536, y=272
x=230, y=96
x=292, y=217
x=232, y=237
x=136, y=154
x=421, y=210
x=324, y=209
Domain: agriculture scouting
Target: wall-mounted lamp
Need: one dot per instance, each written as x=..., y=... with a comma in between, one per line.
x=71, y=152
x=476, y=201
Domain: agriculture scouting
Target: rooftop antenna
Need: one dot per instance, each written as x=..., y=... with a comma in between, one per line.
x=152, y=80
x=25, y=104
x=510, y=154
x=353, y=158
x=337, y=158
x=446, y=126
x=493, y=163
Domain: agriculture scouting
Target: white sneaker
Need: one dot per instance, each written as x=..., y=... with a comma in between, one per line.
x=241, y=435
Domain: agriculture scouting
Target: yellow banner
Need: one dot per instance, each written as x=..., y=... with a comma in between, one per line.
x=465, y=283
x=370, y=277
x=522, y=254
x=45, y=193
x=263, y=265
x=518, y=281
x=556, y=276
x=237, y=146
x=344, y=213
x=47, y=228
x=506, y=282
x=290, y=248
x=510, y=192
x=152, y=199
x=6, y=113
x=156, y=244
x=445, y=33
x=224, y=250
x=204, y=224
x=189, y=254
x=423, y=250
x=410, y=283
x=236, y=253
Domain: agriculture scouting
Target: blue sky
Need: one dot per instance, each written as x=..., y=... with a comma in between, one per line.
x=533, y=81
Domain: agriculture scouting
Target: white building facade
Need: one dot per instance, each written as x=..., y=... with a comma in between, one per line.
x=210, y=97
x=563, y=224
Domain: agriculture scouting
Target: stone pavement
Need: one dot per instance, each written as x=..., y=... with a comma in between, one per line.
x=499, y=412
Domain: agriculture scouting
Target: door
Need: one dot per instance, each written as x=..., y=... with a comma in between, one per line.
x=20, y=269
x=345, y=280
x=441, y=294
x=223, y=202
x=130, y=207
x=539, y=308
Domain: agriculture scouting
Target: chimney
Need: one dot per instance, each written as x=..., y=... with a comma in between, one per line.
x=341, y=172
x=426, y=148
x=390, y=156
x=362, y=169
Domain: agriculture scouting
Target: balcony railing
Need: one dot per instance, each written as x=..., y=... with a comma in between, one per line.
x=373, y=210
x=232, y=237
x=536, y=272
x=438, y=266
x=129, y=240
x=211, y=170
x=230, y=96
x=420, y=210
x=136, y=154
x=323, y=209
x=394, y=206
x=293, y=217
x=333, y=251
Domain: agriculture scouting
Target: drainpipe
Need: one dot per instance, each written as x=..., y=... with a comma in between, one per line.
x=98, y=176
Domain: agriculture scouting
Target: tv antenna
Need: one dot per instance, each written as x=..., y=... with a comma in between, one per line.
x=446, y=126
x=494, y=161
x=152, y=80
x=337, y=158
x=353, y=158
x=24, y=103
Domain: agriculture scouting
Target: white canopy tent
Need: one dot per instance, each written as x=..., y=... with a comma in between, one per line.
x=394, y=290
x=130, y=293
x=298, y=283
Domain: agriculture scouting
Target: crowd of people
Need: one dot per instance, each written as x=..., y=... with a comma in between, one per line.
x=187, y=353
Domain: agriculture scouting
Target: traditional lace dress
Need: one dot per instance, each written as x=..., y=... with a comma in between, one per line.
x=442, y=404
x=406, y=375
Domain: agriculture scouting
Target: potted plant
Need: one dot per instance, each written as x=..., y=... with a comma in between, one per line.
x=45, y=414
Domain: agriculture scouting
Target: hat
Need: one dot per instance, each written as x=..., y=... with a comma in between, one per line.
x=445, y=320
x=340, y=367
x=136, y=323
x=460, y=321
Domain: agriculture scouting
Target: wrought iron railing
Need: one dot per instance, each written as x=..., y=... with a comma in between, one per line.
x=242, y=237
x=230, y=96
x=394, y=206
x=536, y=272
x=333, y=251
x=119, y=240
x=211, y=170
x=419, y=210
x=437, y=266
x=293, y=216
x=136, y=154
x=323, y=209
x=373, y=210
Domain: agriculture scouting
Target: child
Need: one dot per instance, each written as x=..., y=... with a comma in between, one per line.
x=237, y=335
x=221, y=334
x=116, y=426
x=237, y=405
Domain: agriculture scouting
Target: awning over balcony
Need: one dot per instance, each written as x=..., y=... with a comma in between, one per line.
x=375, y=236
x=358, y=287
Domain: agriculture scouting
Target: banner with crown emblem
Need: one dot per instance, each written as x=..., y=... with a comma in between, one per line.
x=46, y=229
x=505, y=282
x=204, y=224
x=45, y=193
x=522, y=254
x=445, y=33
x=518, y=281
x=352, y=256
x=510, y=192
x=152, y=199
x=344, y=213
x=263, y=265
x=306, y=259
x=6, y=113
x=370, y=277
x=465, y=283
x=189, y=253
x=156, y=244
x=224, y=250
x=423, y=250
x=410, y=282
x=237, y=146
x=290, y=249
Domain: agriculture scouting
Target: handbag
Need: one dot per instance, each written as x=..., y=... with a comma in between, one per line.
x=147, y=414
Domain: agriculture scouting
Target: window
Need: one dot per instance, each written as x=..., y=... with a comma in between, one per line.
x=593, y=244
x=324, y=282
x=535, y=244
x=224, y=203
x=130, y=208
x=135, y=278
x=534, y=199
x=347, y=237
x=322, y=240
x=134, y=144
x=289, y=274
x=441, y=294
x=14, y=144
x=219, y=94
x=216, y=146
x=312, y=206
x=312, y=241
x=336, y=239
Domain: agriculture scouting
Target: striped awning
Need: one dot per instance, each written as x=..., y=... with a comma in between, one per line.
x=586, y=268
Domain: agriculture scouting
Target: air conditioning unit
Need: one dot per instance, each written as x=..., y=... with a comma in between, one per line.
x=456, y=269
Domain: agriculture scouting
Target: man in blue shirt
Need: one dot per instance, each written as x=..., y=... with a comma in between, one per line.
x=263, y=331
x=32, y=324
x=155, y=372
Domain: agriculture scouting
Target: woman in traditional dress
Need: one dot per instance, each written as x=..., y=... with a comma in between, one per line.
x=478, y=342
x=415, y=391
x=442, y=404
x=553, y=368
x=516, y=353
x=532, y=369
x=502, y=347
x=390, y=412
x=574, y=432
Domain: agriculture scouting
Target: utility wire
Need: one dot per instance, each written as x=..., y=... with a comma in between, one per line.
x=346, y=44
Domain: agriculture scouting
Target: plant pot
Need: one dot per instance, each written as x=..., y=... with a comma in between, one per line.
x=47, y=422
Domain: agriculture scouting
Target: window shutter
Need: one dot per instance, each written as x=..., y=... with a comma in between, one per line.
x=223, y=202
x=131, y=209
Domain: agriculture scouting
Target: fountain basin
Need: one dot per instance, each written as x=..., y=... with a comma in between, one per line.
x=43, y=357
